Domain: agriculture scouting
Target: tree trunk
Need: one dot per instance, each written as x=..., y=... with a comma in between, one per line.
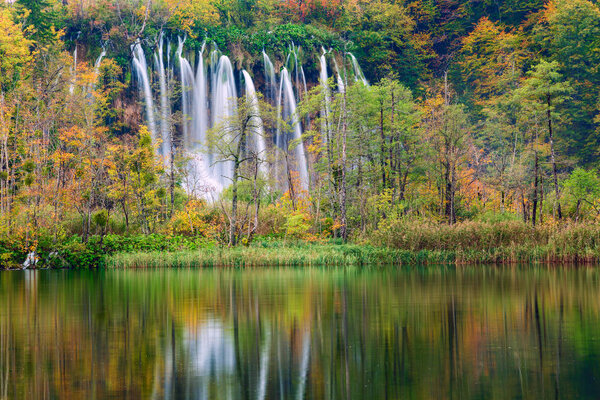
x=552, y=157
x=234, y=187
x=172, y=178
x=449, y=203
x=535, y=188
x=382, y=133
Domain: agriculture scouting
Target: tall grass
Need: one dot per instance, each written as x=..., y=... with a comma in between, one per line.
x=502, y=242
x=398, y=242
x=296, y=256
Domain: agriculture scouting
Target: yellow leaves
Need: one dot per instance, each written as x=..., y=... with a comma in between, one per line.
x=432, y=103
x=316, y=147
x=195, y=219
x=14, y=49
x=185, y=13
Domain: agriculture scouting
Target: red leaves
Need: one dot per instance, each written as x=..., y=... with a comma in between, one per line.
x=304, y=10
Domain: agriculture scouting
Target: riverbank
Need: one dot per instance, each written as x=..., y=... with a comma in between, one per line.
x=326, y=255
x=344, y=256
x=399, y=243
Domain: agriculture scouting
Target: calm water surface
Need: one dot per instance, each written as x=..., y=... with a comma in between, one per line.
x=438, y=333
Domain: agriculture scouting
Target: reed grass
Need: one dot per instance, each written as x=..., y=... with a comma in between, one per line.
x=395, y=244
x=502, y=242
x=297, y=256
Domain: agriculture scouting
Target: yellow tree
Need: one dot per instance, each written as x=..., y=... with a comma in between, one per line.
x=14, y=61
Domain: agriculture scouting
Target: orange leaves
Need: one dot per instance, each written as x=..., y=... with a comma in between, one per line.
x=489, y=56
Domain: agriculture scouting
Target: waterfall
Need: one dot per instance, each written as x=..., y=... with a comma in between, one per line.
x=200, y=120
x=141, y=71
x=286, y=109
x=340, y=79
x=74, y=71
x=358, y=74
x=99, y=60
x=92, y=85
x=164, y=99
x=223, y=108
x=187, y=86
x=209, y=99
x=326, y=106
x=257, y=139
x=269, y=78
x=195, y=124
x=294, y=67
x=200, y=112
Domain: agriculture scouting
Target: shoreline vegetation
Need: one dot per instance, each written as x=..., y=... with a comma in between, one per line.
x=399, y=243
x=405, y=244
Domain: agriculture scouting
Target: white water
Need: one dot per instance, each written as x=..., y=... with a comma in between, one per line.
x=340, y=80
x=270, y=80
x=99, y=61
x=358, y=73
x=164, y=100
x=209, y=101
x=257, y=138
x=326, y=106
x=186, y=74
x=140, y=68
x=92, y=85
x=74, y=70
x=288, y=112
x=223, y=107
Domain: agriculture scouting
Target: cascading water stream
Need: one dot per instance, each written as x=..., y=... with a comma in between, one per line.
x=340, y=79
x=194, y=107
x=187, y=94
x=209, y=100
x=270, y=80
x=200, y=111
x=74, y=70
x=97, y=63
x=223, y=107
x=141, y=71
x=326, y=106
x=287, y=111
x=99, y=60
x=164, y=100
x=257, y=139
x=359, y=76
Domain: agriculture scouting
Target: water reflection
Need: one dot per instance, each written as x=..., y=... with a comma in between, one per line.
x=300, y=334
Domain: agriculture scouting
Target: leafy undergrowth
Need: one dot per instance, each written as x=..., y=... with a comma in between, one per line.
x=398, y=243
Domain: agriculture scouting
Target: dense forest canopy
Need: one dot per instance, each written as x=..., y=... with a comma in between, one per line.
x=475, y=110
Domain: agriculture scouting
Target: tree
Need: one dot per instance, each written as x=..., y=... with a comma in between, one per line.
x=41, y=19
x=145, y=169
x=489, y=64
x=448, y=131
x=583, y=187
x=234, y=140
x=543, y=92
x=569, y=33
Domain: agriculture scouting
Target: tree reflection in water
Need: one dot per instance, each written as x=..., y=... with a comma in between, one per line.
x=300, y=334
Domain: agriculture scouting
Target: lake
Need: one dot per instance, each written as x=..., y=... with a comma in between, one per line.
x=358, y=333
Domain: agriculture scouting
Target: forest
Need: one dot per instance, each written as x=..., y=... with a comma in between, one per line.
x=396, y=131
